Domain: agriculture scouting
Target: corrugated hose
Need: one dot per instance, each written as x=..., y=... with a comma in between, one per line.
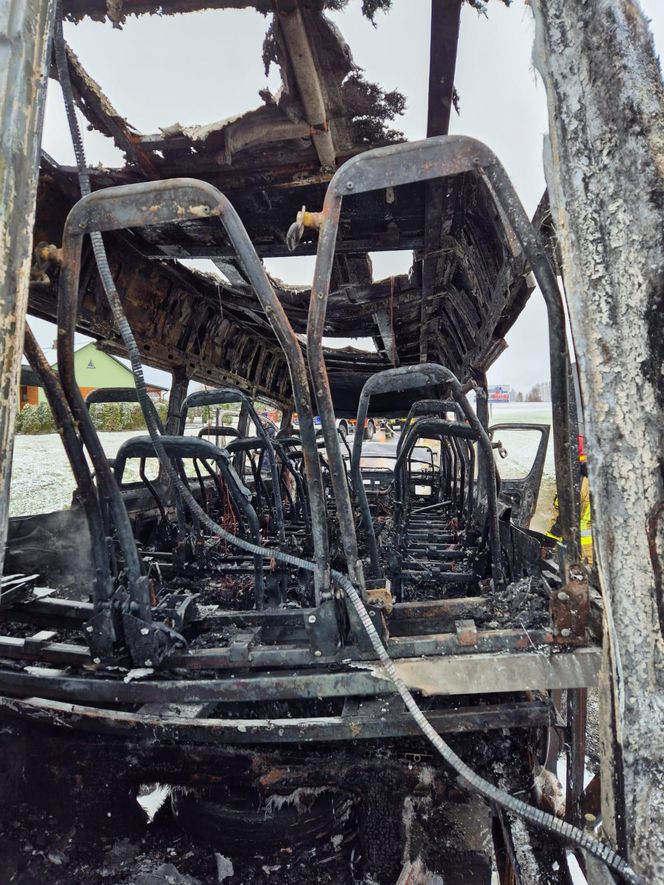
x=481, y=786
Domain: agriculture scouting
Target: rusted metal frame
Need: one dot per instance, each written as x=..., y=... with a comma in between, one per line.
x=25, y=29
x=418, y=377
x=402, y=164
x=165, y=202
x=289, y=655
x=577, y=709
x=179, y=385
x=277, y=686
x=252, y=446
x=104, y=634
x=152, y=490
x=221, y=252
x=433, y=217
x=441, y=408
x=435, y=428
x=260, y=489
x=527, y=714
x=430, y=407
x=218, y=431
x=228, y=395
x=445, y=21
x=302, y=504
x=111, y=498
x=291, y=24
x=462, y=461
x=201, y=483
x=564, y=434
x=178, y=447
x=448, y=471
x=300, y=383
x=406, y=647
x=406, y=619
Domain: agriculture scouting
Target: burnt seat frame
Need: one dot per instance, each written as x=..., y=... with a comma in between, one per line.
x=222, y=396
x=255, y=446
x=419, y=377
x=176, y=201
x=119, y=395
x=459, y=438
x=401, y=164
x=166, y=202
x=205, y=452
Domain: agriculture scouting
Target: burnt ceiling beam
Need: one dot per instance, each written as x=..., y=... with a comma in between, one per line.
x=445, y=20
x=221, y=252
x=100, y=9
x=305, y=68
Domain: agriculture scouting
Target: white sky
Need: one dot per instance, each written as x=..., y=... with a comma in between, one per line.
x=207, y=66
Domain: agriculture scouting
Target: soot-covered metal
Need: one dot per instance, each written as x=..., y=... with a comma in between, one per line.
x=266, y=627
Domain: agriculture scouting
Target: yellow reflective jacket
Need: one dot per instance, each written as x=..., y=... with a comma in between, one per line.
x=585, y=522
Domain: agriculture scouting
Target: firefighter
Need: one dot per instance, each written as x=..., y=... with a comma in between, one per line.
x=585, y=524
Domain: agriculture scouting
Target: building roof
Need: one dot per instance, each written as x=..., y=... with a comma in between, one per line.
x=51, y=355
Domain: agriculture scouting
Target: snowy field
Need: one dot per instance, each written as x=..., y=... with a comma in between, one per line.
x=42, y=481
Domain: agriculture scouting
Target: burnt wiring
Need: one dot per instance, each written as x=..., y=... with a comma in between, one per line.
x=481, y=786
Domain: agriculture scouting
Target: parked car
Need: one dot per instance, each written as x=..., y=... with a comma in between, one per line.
x=345, y=426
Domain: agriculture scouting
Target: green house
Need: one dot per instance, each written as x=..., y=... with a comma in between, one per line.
x=95, y=368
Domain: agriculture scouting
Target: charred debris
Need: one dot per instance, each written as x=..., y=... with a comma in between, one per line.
x=287, y=635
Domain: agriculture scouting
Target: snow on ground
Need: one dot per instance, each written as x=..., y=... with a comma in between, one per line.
x=42, y=480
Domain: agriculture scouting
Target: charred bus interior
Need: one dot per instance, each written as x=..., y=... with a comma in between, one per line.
x=370, y=670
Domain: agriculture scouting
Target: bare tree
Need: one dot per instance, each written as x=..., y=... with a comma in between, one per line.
x=534, y=395
x=605, y=172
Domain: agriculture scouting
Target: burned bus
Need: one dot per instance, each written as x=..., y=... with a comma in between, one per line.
x=335, y=671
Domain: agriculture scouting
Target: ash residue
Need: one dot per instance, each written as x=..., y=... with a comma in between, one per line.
x=523, y=603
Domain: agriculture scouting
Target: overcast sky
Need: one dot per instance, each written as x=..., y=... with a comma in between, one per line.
x=206, y=66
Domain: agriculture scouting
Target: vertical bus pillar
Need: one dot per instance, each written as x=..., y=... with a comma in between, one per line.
x=25, y=28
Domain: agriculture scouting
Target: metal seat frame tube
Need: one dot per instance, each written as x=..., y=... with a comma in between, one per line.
x=182, y=199
x=419, y=377
x=401, y=164
x=453, y=433
x=120, y=395
x=229, y=395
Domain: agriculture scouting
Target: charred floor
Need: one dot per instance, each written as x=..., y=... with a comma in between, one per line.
x=329, y=670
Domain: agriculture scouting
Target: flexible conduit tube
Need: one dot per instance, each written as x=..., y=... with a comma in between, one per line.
x=140, y=598
x=481, y=786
